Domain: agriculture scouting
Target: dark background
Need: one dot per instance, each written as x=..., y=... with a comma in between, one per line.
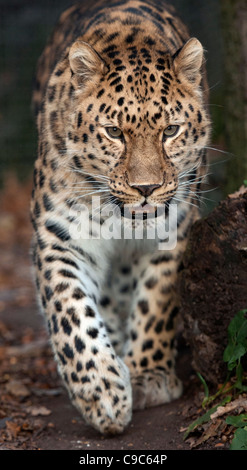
x=25, y=26
x=24, y=29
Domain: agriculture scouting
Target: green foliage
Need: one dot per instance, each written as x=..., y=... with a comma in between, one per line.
x=233, y=354
x=239, y=421
x=237, y=347
x=239, y=441
x=206, y=390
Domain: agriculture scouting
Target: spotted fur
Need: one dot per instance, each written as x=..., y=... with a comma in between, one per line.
x=111, y=305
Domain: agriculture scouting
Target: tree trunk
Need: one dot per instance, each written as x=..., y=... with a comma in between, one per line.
x=234, y=28
x=213, y=283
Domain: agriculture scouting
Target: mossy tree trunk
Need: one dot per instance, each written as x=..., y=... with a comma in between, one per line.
x=234, y=28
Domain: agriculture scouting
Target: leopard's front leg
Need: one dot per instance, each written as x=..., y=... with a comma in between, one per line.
x=96, y=378
x=150, y=351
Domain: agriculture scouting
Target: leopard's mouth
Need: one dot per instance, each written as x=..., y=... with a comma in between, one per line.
x=143, y=211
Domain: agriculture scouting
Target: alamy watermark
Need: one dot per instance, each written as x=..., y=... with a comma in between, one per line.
x=109, y=221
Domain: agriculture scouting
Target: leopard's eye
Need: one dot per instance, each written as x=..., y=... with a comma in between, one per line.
x=171, y=131
x=114, y=132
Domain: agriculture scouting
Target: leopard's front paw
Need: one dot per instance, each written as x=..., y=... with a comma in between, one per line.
x=154, y=387
x=105, y=399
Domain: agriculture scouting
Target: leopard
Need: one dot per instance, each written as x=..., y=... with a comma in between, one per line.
x=121, y=105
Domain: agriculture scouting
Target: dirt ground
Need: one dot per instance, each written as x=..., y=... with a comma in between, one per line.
x=35, y=411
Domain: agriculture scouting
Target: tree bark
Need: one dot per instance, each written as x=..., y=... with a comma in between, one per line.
x=213, y=283
x=234, y=29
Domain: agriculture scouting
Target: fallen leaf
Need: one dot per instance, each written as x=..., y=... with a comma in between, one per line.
x=211, y=431
x=38, y=410
x=183, y=429
x=233, y=405
x=13, y=428
x=17, y=388
x=204, y=418
x=26, y=426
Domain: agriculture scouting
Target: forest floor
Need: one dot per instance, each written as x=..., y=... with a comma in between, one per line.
x=35, y=411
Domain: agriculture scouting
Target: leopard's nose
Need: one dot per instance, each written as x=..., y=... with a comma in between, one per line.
x=146, y=189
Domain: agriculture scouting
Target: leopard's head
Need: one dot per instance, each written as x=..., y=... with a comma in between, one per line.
x=137, y=122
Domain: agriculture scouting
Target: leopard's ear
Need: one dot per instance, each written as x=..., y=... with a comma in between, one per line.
x=85, y=63
x=188, y=61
